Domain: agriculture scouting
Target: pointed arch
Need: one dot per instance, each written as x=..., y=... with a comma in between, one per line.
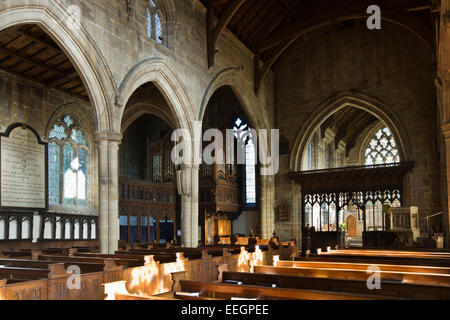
x=357, y=100
x=157, y=71
x=233, y=78
x=53, y=18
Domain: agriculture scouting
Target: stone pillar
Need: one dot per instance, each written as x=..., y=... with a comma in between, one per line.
x=108, y=190
x=267, y=206
x=194, y=205
x=186, y=216
x=296, y=212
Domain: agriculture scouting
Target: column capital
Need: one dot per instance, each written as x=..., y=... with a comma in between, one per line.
x=102, y=136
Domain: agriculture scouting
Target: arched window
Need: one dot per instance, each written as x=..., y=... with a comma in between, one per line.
x=68, y=158
x=382, y=149
x=242, y=132
x=154, y=23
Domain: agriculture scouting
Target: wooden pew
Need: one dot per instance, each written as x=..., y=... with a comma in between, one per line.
x=403, y=277
x=432, y=262
x=138, y=297
x=24, y=273
x=392, y=253
x=363, y=266
x=85, y=267
x=407, y=291
x=228, y=291
x=127, y=263
x=139, y=257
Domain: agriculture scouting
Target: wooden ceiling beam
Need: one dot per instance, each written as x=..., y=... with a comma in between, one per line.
x=61, y=81
x=278, y=42
x=29, y=60
x=214, y=32
x=20, y=75
x=334, y=16
x=265, y=15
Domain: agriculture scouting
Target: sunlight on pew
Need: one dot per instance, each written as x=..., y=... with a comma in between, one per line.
x=275, y=260
x=113, y=288
x=243, y=260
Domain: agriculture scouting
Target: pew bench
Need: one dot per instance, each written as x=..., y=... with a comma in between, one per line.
x=228, y=291
x=391, y=289
x=432, y=262
x=85, y=267
x=127, y=263
x=363, y=266
x=401, y=277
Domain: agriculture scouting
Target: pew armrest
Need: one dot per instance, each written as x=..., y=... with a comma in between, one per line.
x=176, y=277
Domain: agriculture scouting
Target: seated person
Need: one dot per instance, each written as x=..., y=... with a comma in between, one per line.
x=252, y=241
x=275, y=240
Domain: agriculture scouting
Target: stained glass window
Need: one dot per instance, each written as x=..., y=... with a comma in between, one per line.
x=68, y=164
x=154, y=25
x=382, y=149
x=241, y=131
x=54, y=172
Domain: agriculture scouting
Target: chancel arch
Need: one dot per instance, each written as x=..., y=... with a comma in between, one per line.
x=362, y=158
x=356, y=100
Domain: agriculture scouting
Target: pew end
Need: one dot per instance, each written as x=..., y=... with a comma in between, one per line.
x=177, y=277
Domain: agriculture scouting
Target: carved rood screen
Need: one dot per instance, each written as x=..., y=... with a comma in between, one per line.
x=330, y=197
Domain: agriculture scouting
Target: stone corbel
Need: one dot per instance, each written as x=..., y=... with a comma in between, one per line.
x=130, y=7
x=119, y=101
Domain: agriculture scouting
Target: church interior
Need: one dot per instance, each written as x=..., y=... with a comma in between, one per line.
x=331, y=118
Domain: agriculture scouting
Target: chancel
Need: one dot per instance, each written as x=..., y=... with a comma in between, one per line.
x=106, y=114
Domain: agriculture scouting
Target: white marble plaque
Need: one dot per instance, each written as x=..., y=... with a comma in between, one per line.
x=23, y=176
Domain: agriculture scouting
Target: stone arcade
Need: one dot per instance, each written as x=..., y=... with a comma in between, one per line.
x=91, y=93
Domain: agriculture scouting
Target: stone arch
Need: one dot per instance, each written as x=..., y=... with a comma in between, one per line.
x=233, y=78
x=139, y=109
x=357, y=100
x=168, y=83
x=80, y=48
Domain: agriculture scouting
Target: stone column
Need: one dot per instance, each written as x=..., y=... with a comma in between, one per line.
x=186, y=216
x=296, y=212
x=194, y=204
x=267, y=206
x=108, y=190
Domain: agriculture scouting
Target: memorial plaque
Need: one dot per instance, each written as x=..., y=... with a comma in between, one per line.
x=283, y=213
x=23, y=169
